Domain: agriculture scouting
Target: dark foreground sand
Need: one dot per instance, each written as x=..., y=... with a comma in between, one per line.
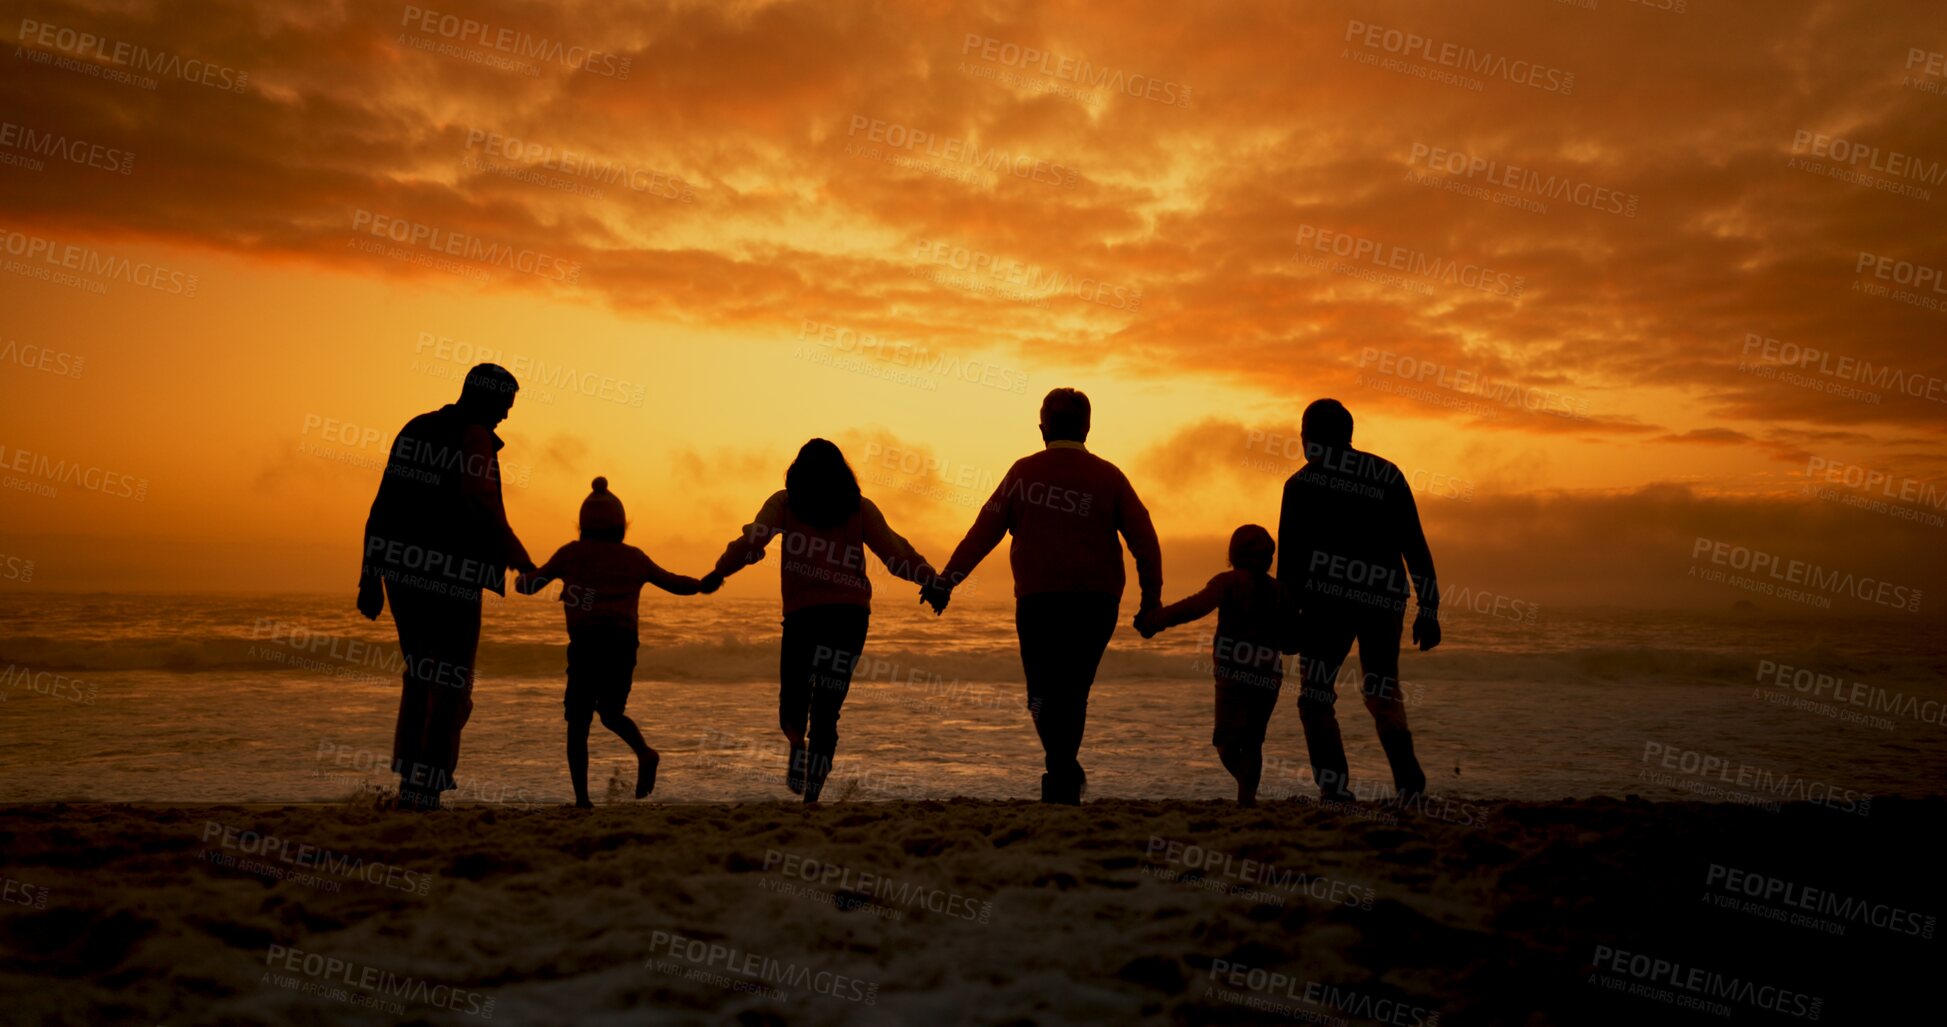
x=940, y=913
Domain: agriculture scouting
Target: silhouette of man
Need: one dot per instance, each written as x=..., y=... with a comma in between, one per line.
x=1347, y=523
x=1064, y=507
x=436, y=536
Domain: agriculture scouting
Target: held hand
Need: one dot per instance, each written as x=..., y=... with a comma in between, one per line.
x=936, y=593
x=709, y=583
x=371, y=597
x=1426, y=629
x=526, y=584
x=1146, y=623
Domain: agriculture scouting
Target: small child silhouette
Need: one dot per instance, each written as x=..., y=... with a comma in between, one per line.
x=602, y=585
x=1255, y=623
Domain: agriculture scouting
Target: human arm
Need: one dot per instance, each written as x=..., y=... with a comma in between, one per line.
x=1183, y=611
x=1132, y=520
x=533, y=581
x=1419, y=567
x=370, y=579
x=748, y=548
x=989, y=527
x=371, y=587
x=1292, y=539
x=898, y=554
x=371, y=594
x=670, y=581
x=481, y=491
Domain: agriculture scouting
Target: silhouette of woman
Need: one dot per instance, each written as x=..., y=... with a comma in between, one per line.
x=826, y=526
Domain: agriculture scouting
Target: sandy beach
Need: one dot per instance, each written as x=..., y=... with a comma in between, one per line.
x=1588, y=911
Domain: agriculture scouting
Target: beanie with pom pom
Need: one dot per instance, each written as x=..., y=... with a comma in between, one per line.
x=601, y=509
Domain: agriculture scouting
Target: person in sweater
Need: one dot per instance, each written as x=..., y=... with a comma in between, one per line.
x=1255, y=624
x=825, y=527
x=1065, y=508
x=602, y=579
x=437, y=535
x=1349, y=546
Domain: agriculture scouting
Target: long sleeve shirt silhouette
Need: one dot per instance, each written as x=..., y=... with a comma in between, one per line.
x=1065, y=508
x=1255, y=618
x=1349, y=537
x=602, y=582
x=438, y=521
x=824, y=565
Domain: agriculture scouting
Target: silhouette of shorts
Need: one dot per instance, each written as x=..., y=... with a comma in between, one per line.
x=601, y=669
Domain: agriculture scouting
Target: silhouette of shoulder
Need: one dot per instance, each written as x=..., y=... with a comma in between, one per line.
x=1224, y=581
x=582, y=554
x=771, y=514
x=1352, y=471
x=1059, y=456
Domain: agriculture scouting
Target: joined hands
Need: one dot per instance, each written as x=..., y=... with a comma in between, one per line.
x=936, y=593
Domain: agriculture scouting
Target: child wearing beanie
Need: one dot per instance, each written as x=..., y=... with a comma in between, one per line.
x=1256, y=621
x=602, y=579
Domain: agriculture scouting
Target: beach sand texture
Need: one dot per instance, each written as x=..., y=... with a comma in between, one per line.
x=963, y=912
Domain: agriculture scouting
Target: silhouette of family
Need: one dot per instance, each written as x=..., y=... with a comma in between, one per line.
x=1350, y=552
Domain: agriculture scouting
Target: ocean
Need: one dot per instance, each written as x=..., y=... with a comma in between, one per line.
x=290, y=698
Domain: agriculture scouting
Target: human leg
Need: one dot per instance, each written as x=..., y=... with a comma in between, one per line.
x=439, y=634
x=1063, y=636
x=795, y=668
x=1379, y=664
x=841, y=636
x=1329, y=641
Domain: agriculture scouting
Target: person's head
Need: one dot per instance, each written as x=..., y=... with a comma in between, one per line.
x=820, y=486
x=488, y=393
x=1327, y=425
x=602, y=517
x=1251, y=548
x=1064, y=416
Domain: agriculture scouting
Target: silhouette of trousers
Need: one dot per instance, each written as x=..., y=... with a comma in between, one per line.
x=1063, y=636
x=438, y=636
x=1329, y=635
x=821, y=646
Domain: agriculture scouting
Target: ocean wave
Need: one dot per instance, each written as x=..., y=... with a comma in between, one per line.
x=1604, y=664
x=729, y=660
x=744, y=659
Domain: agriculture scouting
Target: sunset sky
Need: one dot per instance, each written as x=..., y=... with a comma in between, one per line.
x=1563, y=261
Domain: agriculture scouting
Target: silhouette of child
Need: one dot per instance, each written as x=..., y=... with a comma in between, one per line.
x=1256, y=621
x=602, y=585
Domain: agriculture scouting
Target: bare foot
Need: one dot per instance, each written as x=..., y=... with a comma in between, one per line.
x=645, y=773
x=583, y=803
